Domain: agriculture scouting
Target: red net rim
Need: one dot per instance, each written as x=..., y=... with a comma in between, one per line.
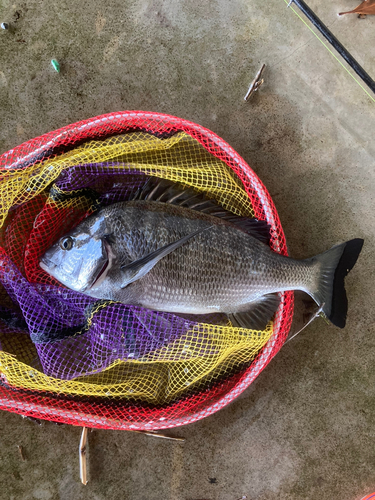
x=102, y=415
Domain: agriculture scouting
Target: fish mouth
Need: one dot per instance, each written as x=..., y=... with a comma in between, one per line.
x=47, y=265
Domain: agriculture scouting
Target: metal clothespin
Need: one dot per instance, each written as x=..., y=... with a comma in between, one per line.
x=255, y=84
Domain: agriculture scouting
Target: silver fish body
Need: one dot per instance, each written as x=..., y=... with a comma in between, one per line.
x=221, y=268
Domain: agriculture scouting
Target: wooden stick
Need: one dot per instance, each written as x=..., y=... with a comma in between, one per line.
x=82, y=456
x=162, y=436
x=22, y=455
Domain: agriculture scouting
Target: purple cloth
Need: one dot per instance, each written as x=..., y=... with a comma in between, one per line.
x=75, y=334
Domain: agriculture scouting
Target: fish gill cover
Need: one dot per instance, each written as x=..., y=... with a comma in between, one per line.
x=69, y=357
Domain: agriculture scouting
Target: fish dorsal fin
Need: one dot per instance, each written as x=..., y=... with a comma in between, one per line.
x=166, y=191
x=256, y=315
x=140, y=267
x=259, y=229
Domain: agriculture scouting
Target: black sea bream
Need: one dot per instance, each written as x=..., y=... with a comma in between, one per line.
x=167, y=253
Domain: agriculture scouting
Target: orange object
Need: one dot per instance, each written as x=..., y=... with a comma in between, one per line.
x=366, y=7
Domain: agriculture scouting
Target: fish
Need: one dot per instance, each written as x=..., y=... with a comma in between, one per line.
x=172, y=249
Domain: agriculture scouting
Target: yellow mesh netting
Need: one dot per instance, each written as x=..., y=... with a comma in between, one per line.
x=179, y=158
x=156, y=378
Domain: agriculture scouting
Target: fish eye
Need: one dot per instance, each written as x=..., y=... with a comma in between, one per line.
x=66, y=243
x=109, y=238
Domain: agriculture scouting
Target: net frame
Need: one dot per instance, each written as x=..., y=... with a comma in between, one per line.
x=107, y=413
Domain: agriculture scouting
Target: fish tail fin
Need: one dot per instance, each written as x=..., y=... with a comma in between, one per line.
x=335, y=264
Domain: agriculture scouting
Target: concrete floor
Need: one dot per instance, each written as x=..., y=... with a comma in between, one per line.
x=305, y=428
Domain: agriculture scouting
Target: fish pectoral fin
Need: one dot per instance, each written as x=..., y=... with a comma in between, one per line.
x=139, y=268
x=255, y=315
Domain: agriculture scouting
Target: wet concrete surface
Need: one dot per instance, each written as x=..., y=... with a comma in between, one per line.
x=305, y=428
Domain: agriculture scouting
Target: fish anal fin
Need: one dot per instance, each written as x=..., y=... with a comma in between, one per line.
x=256, y=315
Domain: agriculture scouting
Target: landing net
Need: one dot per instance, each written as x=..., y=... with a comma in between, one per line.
x=70, y=358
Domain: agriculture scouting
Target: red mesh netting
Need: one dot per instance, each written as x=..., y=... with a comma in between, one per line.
x=21, y=240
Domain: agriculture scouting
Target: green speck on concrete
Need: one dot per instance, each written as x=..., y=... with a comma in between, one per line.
x=56, y=65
